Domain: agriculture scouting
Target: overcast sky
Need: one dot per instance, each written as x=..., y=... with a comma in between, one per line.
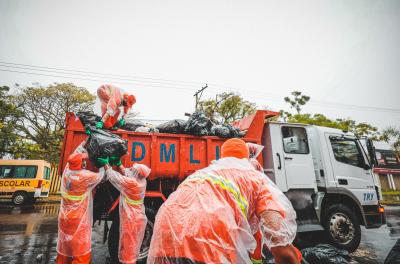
x=344, y=54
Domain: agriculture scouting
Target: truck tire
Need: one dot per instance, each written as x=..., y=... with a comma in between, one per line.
x=19, y=198
x=113, y=238
x=342, y=227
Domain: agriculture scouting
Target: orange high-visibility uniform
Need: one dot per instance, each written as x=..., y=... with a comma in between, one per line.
x=75, y=218
x=111, y=98
x=133, y=220
x=213, y=214
x=84, y=259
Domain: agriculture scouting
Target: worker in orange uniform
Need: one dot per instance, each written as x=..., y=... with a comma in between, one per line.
x=111, y=100
x=75, y=219
x=213, y=214
x=132, y=186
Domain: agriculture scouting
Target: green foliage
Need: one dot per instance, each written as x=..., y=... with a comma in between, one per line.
x=227, y=108
x=297, y=101
x=359, y=129
x=392, y=135
x=42, y=122
x=345, y=124
x=8, y=115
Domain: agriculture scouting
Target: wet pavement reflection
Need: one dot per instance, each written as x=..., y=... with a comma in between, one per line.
x=28, y=234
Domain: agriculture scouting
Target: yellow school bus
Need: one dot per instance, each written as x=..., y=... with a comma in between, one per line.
x=24, y=180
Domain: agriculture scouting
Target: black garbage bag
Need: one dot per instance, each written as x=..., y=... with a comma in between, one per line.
x=132, y=124
x=88, y=118
x=394, y=254
x=176, y=126
x=103, y=144
x=225, y=131
x=220, y=131
x=198, y=124
x=325, y=254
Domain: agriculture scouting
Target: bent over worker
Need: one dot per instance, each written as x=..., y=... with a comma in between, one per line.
x=75, y=218
x=133, y=220
x=213, y=214
x=111, y=100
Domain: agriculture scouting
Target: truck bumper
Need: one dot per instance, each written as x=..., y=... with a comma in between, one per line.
x=374, y=216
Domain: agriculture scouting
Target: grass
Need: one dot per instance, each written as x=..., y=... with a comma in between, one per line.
x=390, y=192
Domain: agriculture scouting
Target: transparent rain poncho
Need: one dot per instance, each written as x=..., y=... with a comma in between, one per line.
x=75, y=219
x=132, y=215
x=210, y=217
x=254, y=151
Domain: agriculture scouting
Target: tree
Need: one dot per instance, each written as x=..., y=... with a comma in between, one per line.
x=42, y=122
x=392, y=135
x=8, y=116
x=227, y=107
x=359, y=129
x=298, y=100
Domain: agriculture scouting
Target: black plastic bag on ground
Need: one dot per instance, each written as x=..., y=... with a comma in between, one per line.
x=394, y=254
x=132, y=125
x=325, y=254
x=88, y=118
x=176, y=126
x=101, y=144
x=198, y=124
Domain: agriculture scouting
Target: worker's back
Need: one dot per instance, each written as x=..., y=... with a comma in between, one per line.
x=209, y=215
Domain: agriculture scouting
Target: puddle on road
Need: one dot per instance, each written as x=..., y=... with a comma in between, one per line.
x=28, y=233
x=28, y=219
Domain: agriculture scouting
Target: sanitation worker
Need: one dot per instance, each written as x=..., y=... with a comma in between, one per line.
x=213, y=214
x=75, y=219
x=112, y=99
x=133, y=220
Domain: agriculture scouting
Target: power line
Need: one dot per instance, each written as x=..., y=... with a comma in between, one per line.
x=95, y=80
x=98, y=76
x=161, y=83
x=101, y=74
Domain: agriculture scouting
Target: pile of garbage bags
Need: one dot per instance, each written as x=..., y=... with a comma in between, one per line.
x=198, y=125
x=102, y=144
x=176, y=126
x=88, y=118
x=325, y=254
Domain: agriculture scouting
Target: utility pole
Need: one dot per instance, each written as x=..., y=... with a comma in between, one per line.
x=198, y=95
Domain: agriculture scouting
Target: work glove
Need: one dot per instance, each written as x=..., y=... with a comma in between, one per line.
x=120, y=123
x=115, y=161
x=100, y=162
x=99, y=124
x=87, y=130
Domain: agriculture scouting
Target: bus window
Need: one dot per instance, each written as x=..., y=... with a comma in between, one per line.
x=18, y=172
x=46, y=173
x=6, y=172
x=31, y=172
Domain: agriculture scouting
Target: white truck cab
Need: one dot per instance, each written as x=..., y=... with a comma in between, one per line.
x=327, y=175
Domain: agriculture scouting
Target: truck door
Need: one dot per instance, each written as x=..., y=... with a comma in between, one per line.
x=298, y=163
x=351, y=168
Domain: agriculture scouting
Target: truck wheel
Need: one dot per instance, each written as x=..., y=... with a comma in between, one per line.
x=19, y=198
x=342, y=227
x=113, y=238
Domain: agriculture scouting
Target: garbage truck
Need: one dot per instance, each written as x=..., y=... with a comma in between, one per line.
x=326, y=173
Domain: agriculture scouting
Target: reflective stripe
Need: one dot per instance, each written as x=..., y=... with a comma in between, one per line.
x=133, y=202
x=73, y=197
x=256, y=261
x=226, y=185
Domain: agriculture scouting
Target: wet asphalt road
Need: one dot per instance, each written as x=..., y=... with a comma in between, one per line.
x=28, y=234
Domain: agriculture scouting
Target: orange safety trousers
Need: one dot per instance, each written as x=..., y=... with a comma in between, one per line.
x=84, y=259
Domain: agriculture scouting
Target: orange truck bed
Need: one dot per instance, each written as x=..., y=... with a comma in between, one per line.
x=168, y=155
